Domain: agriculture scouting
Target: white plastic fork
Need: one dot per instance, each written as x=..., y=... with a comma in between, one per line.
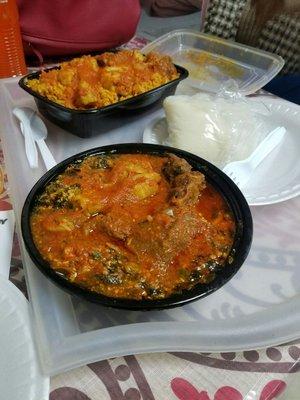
x=241, y=171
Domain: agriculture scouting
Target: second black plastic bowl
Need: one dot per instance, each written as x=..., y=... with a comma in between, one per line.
x=88, y=123
x=214, y=176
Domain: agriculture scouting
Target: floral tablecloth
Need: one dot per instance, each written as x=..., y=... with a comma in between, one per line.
x=250, y=375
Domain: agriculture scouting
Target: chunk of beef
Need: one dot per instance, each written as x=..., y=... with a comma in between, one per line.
x=174, y=167
x=161, y=242
x=186, y=185
x=117, y=224
x=185, y=227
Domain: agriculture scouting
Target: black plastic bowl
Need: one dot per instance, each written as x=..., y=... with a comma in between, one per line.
x=214, y=176
x=87, y=123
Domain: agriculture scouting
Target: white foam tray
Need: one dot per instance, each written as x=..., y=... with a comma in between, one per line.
x=259, y=307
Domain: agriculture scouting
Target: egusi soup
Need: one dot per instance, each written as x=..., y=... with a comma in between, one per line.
x=135, y=226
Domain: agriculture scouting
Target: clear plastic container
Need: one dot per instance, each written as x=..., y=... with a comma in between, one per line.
x=211, y=60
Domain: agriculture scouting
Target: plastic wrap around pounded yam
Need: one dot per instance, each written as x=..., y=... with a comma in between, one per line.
x=217, y=129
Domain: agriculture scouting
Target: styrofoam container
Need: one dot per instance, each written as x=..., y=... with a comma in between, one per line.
x=259, y=307
x=211, y=60
x=20, y=374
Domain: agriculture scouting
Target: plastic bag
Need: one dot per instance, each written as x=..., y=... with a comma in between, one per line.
x=220, y=127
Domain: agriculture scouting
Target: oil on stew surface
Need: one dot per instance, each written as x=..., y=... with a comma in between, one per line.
x=135, y=226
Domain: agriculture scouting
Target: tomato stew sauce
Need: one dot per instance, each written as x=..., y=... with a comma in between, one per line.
x=135, y=226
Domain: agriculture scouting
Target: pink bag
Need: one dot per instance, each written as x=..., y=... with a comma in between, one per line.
x=66, y=27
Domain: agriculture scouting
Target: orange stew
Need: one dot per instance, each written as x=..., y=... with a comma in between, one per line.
x=134, y=226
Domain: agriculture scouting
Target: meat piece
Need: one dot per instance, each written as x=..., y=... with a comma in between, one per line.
x=186, y=184
x=185, y=227
x=174, y=167
x=187, y=187
x=161, y=241
x=117, y=224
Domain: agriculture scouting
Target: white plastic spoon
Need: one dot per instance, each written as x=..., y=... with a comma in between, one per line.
x=39, y=133
x=35, y=127
x=30, y=147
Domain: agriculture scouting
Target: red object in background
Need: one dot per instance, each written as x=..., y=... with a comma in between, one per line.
x=58, y=28
x=12, y=62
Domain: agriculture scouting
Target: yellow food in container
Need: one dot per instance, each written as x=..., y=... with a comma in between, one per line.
x=98, y=81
